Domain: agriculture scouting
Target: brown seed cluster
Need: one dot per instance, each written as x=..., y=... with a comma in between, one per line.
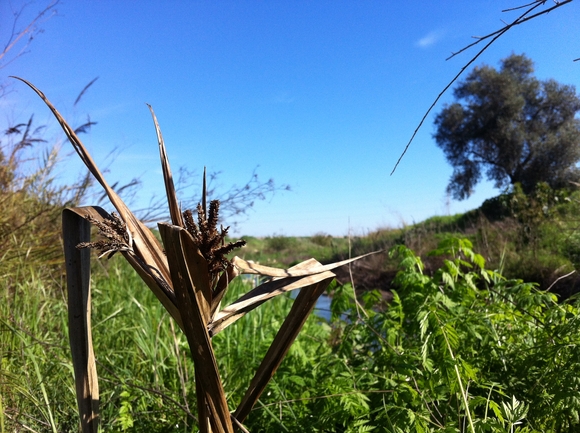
x=210, y=242
x=114, y=230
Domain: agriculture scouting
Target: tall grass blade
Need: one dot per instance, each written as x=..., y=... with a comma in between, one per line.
x=32, y=358
x=1, y=415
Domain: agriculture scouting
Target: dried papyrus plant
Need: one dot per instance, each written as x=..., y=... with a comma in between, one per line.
x=190, y=275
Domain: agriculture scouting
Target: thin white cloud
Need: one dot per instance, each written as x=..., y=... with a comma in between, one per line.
x=429, y=39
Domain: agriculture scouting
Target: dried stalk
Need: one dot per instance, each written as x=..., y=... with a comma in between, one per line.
x=190, y=279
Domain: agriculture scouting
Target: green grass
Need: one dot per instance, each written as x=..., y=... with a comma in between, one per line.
x=143, y=361
x=366, y=369
x=36, y=380
x=286, y=251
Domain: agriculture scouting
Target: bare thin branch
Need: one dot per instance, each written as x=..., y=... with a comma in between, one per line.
x=495, y=36
x=524, y=6
x=519, y=21
x=560, y=278
x=30, y=30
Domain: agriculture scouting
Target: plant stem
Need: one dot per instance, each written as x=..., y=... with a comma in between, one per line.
x=463, y=393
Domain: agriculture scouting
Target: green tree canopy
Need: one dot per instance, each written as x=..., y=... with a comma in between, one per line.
x=513, y=127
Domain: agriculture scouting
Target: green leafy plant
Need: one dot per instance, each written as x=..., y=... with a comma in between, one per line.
x=454, y=348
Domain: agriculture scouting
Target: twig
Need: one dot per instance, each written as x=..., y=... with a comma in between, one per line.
x=15, y=36
x=558, y=279
x=357, y=304
x=523, y=6
x=24, y=426
x=239, y=424
x=518, y=21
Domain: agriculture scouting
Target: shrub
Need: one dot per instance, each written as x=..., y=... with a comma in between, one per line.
x=278, y=243
x=321, y=239
x=459, y=350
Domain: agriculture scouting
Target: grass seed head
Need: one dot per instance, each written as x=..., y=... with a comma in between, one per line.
x=114, y=230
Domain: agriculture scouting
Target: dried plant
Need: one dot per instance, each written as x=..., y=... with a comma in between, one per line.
x=190, y=277
x=114, y=230
x=206, y=237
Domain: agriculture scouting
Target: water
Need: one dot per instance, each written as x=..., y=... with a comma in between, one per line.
x=322, y=308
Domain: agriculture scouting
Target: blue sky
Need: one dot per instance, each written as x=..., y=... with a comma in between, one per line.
x=320, y=95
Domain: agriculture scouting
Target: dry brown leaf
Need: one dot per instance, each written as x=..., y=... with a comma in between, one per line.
x=174, y=209
x=77, y=229
x=249, y=267
x=198, y=272
x=259, y=295
x=301, y=309
x=146, y=246
x=195, y=328
x=221, y=287
x=154, y=280
x=181, y=281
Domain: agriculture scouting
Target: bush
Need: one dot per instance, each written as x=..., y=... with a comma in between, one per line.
x=279, y=243
x=322, y=239
x=459, y=351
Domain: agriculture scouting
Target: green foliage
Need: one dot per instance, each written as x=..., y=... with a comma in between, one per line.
x=535, y=208
x=466, y=334
x=540, y=233
x=513, y=127
x=322, y=239
x=461, y=349
x=125, y=418
x=280, y=243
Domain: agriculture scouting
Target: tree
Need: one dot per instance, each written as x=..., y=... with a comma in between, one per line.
x=530, y=12
x=513, y=127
